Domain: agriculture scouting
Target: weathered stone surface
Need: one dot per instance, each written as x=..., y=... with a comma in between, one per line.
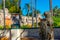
x=32, y=33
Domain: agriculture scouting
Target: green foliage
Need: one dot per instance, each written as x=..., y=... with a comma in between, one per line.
x=30, y=14
x=7, y=4
x=1, y=27
x=8, y=27
x=56, y=17
x=24, y=26
x=15, y=1
x=14, y=9
x=10, y=9
x=13, y=6
x=56, y=11
x=35, y=24
x=27, y=26
x=56, y=21
x=35, y=12
x=0, y=6
x=28, y=7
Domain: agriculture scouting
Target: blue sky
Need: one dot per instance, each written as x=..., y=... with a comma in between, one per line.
x=42, y=5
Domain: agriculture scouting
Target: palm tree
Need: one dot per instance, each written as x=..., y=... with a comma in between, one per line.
x=32, y=14
x=4, y=12
x=18, y=7
x=55, y=10
x=36, y=15
x=28, y=9
x=51, y=27
x=18, y=3
x=50, y=3
x=37, y=12
x=3, y=3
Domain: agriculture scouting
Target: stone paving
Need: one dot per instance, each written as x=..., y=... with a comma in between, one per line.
x=30, y=33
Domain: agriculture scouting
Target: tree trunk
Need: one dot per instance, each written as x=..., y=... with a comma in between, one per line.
x=36, y=14
x=19, y=2
x=50, y=3
x=28, y=17
x=52, y=33
x=32, y=14
x=33, y=19
x=4, y=12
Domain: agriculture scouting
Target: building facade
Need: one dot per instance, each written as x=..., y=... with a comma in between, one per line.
x=8, y=19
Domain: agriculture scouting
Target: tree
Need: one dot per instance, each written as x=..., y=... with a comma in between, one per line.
x=35, y=12
x=7, y=4
x=19, y=7
x=56, y=16
x=50, y=4
x=4, y=11
x=56, y=11
x=51, y=14
x=0, y=4
x=28, y=9
x=56, y=21
x=14, y=6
